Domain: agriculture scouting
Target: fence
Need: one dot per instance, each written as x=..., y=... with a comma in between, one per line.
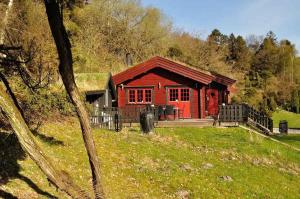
x=243, y=113
x=113, y=118
x=107, y=118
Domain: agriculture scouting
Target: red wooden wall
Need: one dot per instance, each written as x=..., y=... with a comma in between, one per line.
x=159, y=79
x=164, y=78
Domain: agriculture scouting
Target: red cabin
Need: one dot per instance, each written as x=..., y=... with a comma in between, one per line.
x=161, y=82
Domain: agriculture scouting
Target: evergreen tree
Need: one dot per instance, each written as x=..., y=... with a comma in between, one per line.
x=238, y=53
x=266, y=59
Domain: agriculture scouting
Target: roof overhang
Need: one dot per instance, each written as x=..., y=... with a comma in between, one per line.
x=174, y=67
x=221, y=79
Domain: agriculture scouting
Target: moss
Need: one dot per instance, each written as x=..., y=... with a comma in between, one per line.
x=92, y=81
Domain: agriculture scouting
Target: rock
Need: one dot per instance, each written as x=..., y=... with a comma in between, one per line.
x=186, y=167
x=226, y=178
x=207, y=166
x=183, y=194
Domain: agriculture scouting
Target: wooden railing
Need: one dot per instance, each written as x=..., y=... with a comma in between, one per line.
x=244, y=113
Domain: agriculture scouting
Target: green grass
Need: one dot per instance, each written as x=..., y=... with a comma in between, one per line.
x=170, y=161
x=292, y=118
x=291, y=139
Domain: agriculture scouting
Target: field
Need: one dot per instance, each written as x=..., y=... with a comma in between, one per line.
x=292, y=118
x=198, y=163
x=291, y=139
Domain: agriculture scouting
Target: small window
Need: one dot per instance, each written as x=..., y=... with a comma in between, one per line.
x=173, y=94
x=185, y=94
x=131, y=96
x=140, y=96
x=148, y=96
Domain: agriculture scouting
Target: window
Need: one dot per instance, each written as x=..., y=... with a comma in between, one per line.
x=173, y=94
x=140, y=96
x=185, y=94
x=131, y=96
x=148, y=96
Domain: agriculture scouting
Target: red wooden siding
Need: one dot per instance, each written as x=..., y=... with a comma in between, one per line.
x=159, y=79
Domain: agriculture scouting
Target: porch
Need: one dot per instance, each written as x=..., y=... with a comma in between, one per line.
x=228, y=115
x=164, y=116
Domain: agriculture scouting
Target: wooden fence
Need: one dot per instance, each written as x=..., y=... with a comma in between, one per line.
x=244, y=113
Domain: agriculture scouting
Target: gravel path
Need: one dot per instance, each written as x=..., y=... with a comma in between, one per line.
x=290, y=131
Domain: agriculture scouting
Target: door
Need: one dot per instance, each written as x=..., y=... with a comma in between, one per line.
x=212, y=97
x=181, y=99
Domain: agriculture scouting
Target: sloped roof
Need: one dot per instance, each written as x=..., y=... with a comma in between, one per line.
x=159, y=62
x=90, y=82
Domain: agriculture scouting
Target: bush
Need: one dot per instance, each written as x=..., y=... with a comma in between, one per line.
x=42, y=104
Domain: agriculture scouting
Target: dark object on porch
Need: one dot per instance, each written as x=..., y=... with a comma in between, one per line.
x=283, y=126
x=160, y=112
x=243, y=113
x=170, y=111
x=147, y=122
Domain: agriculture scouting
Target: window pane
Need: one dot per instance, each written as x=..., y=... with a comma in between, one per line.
x=139, y=95
x=173, y=95
x=148, y=96
x=131, y=96
x=185, y=94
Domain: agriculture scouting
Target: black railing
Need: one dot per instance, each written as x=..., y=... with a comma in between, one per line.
x=244, y=113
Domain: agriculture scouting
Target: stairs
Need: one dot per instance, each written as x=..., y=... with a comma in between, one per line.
x=259, y=127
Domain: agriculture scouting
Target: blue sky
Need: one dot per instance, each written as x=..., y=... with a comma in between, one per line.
x=241, y=17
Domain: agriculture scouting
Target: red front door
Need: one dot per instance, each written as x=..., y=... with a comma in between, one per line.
x=212, y=97
x=181, y=99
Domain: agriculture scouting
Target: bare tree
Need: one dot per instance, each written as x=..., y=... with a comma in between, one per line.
x=12, y=111
x=55, y=19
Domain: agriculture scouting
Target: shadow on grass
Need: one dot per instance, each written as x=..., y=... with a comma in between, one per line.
x=10, y=153
x=7, y=195
x=287, y=137
x=133, y=130
x=48, y=139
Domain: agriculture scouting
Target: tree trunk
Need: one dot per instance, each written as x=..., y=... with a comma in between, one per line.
x=12, y=95
x=66, y=71
x=58, y=178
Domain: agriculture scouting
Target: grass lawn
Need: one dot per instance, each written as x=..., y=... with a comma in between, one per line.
x=292, y=118
x=291, y=139
x=205, y=163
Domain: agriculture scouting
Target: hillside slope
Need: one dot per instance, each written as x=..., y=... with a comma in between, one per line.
x=205, y=163
x=292, y=118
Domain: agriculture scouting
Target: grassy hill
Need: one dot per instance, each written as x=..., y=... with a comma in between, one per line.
x=292, y=118
x=205, y=163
